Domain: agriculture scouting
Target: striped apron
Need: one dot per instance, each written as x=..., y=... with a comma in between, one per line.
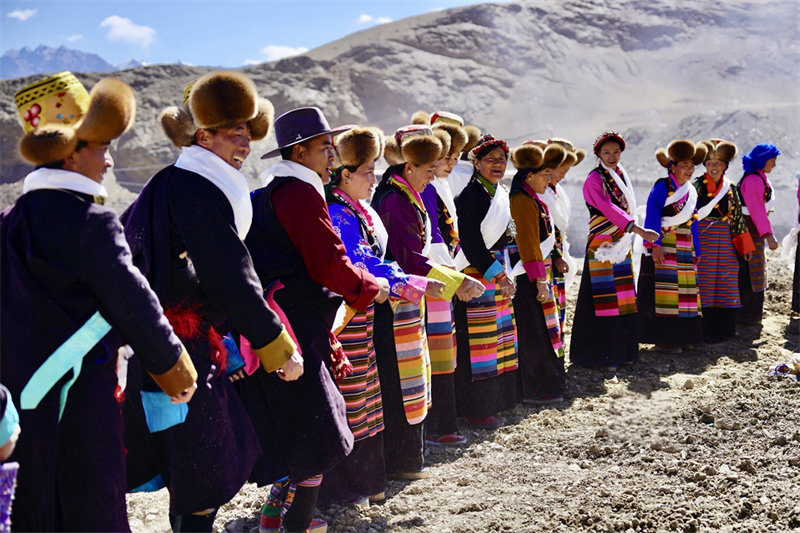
x=676, y=283
x=613, y=289
x=718, y=267
x=413, y=360
x=441, y=333
x=552, y=313
x=758, y=263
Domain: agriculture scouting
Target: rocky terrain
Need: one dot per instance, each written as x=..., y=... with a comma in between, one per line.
x=525, y=69
x=703, y=441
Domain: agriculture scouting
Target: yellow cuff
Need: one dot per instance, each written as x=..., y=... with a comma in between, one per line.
x=451, y=278
x=180, y=377
x=277, y=352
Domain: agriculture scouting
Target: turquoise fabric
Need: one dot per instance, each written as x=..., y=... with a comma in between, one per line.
x=161, y=413
x=9, y=422
x=157, y=483
x=68, y=356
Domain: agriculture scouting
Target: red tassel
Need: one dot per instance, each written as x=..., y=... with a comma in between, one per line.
x=342, y=366
x=185, y=321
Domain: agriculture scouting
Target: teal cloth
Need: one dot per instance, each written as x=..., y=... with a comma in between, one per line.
x=68, y=356
x=9, y=422
x=161, y=413
x=157, y=483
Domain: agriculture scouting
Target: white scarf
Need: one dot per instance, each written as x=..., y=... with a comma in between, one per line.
x=227, y=179
x=381, y=235
x=493, y=225
x=439, y=252
x=560, y=209
x=460, y=176
x=51, y=178
x=688, y=208
x=618, y=252
x=704, y=211
x=286, y=168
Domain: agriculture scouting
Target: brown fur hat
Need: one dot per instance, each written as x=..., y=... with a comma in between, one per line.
x=725, y=151
x=457, y=134
x=357, y=146
x=527, y=156
x=110, y=113
x=681, y=150
x=574, y=155
x=444, y=138
x=554, y=155
x=473, y=137
x=391, y=152
x=421, y=149
x=217, y=100
x=421, y=117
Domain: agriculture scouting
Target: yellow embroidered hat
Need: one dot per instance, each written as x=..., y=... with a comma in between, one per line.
x=59, y=99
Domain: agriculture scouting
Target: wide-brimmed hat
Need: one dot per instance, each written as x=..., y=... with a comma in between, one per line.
x=57, y=112
x=300, y=125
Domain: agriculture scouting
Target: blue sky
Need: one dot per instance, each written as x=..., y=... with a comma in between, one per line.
x=215, y=33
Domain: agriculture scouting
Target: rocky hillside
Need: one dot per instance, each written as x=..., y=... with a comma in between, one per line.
x=526, y=69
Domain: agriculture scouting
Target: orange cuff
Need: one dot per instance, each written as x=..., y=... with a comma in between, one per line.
x=744, y=243
x=180, y=377
x=277, y=352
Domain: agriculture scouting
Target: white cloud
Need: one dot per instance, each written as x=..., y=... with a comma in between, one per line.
x=275, y=52
x=73, y=38
x=122, y=29
x=251, y=62
x=22, y=14
x=369, y=19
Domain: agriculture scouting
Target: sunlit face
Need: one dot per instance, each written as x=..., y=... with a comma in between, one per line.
x=559, y=174
x=610, y=153
x=715, y=168
x=770, y=164
x=683, y=171
x=93, y=160
x=360, y=184
x=316, y=154
x=232, y=144
x=540, y=180
x=492, y=166
x=442, y=170
x=420, y=176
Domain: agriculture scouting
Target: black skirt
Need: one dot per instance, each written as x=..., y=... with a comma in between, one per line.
x=441, y=419
x=403, y=445
x=657, y=329
x=541, y=372
x=601, y=340
x=362, y=474
x=796, y=281
x=719, y=323
x=752, y=308
x=483, y=397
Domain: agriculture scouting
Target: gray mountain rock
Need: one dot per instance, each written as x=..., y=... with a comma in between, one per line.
x=44, y=59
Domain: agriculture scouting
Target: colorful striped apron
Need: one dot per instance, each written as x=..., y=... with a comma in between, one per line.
x=559, y=285
x=613, y=289
x=492, y=329
x=552, y=314
x=413, y=360
x=362, y=388
x=758, y=263
x=441, y=335
x=717, y=268
x=676, y=282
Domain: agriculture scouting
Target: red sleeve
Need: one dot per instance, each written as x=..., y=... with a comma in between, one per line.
x=304, y=215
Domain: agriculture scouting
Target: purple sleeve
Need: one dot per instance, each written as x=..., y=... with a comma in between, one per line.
x=430, y=200
x=595, y=196
x=752, y=191
x=404, y=245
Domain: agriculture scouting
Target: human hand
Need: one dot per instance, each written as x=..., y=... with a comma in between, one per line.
x=435, y=289
x=748, y=256
x=658, y=255
x=543, y=289
x=561, y=265
x=646, y=234
x=292, y=369
x=469, y=289
x=772, y=242
x=383, y=294
x=239, y=374
x=507, y=288
x=8, y=448
x=184, y=396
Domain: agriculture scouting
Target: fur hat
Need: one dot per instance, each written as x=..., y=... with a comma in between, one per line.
x=457, y=135
x=725, y=151
x=421, y=117
x=218, y=100
x=57, y=112
x=531, y=156
x=415, y=144
x=358, y=146
x=681, y=150
x=574, y=155
x=444, y=138
x=473, y=137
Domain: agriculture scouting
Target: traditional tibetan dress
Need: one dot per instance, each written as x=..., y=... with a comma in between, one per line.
x=185, y=231
x=540, y=347
x=486, y=331
x=362, y=473
x=605, y=326
x=401, y=343
x=722, y=234
x=669, y=299
x=440, y=325
x=792, y=241
x=68, y=289
x=756, y=194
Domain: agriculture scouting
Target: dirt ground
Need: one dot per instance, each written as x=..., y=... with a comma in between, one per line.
x=706, y=440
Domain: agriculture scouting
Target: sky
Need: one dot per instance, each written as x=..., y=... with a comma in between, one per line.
x=232, y=33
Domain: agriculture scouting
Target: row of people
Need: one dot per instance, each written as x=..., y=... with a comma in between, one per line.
x=365, y=329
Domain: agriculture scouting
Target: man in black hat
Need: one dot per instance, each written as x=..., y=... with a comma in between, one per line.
x=302, y=425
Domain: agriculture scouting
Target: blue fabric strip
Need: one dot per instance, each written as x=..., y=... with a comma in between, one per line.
x=157, y=483
x=68, y=356
x=161, y=413
x=9, y=422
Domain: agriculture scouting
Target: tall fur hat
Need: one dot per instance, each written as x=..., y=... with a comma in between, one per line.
x=473, y=137
x=574, y=155
x=531, y=156
x=415, y=144
x=681, y=150
x=444, y=138
x=421, y=117
x=218, y=100
x=358, y=146
x=57, y=112
x=720, y=149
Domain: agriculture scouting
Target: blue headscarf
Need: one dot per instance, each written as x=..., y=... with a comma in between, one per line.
x=758, y=157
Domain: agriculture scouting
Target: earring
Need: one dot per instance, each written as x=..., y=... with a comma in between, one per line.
x=347, y=180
